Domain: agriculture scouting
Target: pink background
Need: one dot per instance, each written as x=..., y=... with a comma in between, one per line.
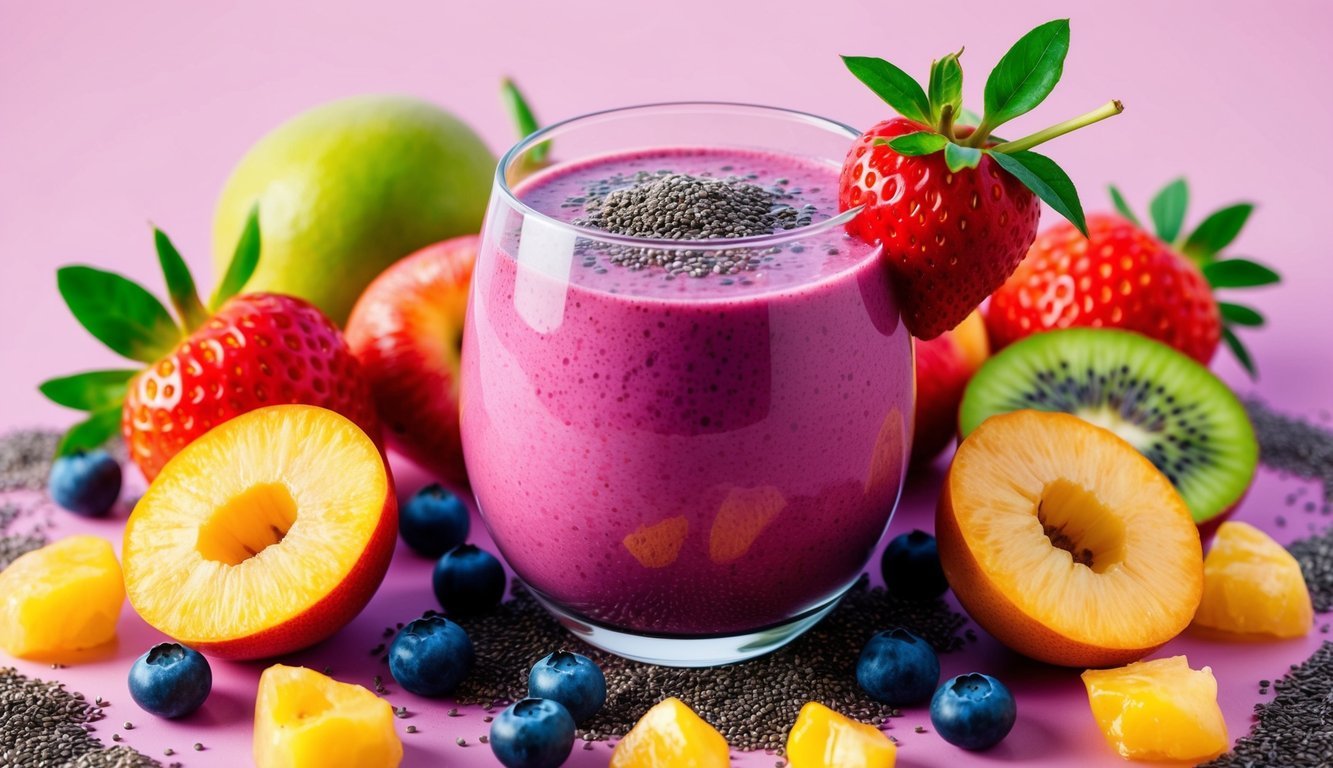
x=113, y=114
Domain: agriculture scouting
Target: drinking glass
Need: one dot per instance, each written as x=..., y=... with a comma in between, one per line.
x=681, y=470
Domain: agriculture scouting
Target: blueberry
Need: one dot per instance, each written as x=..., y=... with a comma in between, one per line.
x=911, y=567
x=433, y=521
x=431, y=656
x=468, y=581
x=973, y=711
x=170, y=680
x=898, y=668
x=86, y=484
x=571, y=679
x=533, y=733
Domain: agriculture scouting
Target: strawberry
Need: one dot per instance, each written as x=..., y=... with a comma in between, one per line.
x=954, y=207
x=256, y=349
x=1121, y=276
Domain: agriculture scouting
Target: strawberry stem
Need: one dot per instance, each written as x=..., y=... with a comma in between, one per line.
x=946, y=122
x=1109, y=109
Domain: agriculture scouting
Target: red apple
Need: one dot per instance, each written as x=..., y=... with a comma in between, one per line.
x=943, y=367
x=407, y=331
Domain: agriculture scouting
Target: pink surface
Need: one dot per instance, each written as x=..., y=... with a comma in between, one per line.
x=1054, y=728
x=114, y=114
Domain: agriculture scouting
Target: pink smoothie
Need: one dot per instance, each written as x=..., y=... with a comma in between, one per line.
x=683, y=455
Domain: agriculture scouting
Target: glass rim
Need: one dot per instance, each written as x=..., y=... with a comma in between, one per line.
x=719, y=243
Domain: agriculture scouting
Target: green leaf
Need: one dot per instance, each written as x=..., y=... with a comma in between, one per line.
x=525, y=122
x=968, y=117
x=1027, y=74
x=118, y=312
x=1168, y=210
x=1238, y=273
x=1242, y=354
x=916, y=144
x=958, y=158
x=180, y=284
x=1217, y=232
x=894, y=86
x=1048, y=181
x=1239, y=314
x=243, y=261
x=90, y=433
x=88, y=391
x=946, y=86
x=1123, y=207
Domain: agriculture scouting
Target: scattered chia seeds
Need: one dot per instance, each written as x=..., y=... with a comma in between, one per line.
x=1295, y=729
x=14, y=545
x=751, y=703
x=43, y=725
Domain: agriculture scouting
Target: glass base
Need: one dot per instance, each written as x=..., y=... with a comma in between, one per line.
x=688, y=651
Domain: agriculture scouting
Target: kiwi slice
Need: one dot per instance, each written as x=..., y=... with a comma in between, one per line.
x=1168, y=406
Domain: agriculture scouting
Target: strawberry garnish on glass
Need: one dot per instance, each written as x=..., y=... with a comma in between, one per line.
x=240, y=352
x=955, y=207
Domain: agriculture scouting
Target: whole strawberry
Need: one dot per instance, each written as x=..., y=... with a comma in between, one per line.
x=254, y=350
x=954, y=207
x=1121, y=276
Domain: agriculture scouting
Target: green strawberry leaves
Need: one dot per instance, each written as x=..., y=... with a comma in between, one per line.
x=243, y=261
x=1238, y=314
x=1216, y=232
x=1027, y=73
x=90, y=433
x=180, y=283
x=1167, y=209
x=1238, y=349
x=946, y=86
x=1118, y=200
x=958, y=157
x=118, y=312
x=916, y=144
x=1238, y=273
x=90, y=390
x=1022, y=79
x=525, y=123
x=1048, y=181
x=894, y=86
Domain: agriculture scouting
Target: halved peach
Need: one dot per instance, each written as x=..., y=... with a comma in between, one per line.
x=1065, y=543
x=264, y=536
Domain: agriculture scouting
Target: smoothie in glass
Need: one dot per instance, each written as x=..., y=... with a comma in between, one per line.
x=678, y=442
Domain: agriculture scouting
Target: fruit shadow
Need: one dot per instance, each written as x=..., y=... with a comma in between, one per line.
x=223, y=708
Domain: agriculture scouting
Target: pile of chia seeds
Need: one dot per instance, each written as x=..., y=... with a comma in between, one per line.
x=752, y=703
x=42, y=725
x=1304, y=450
x=676, y=206
x=1295, y=729
x=25, y=459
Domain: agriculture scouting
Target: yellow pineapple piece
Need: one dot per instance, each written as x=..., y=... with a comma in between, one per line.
x=671, y=734
x=1253, y=586
x=1158, y=710
x=823, y=738
x=61, y=598
x=306, y=720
